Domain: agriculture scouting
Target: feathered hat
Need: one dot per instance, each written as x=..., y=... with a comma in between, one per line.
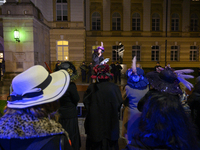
x=167, y=80
x=100, y=47
x=136, y=77
x=101, y=72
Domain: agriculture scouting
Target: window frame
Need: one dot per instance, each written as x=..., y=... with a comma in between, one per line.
x=155, y=50
x=175, y=21
x=193, y=50
x=63, y=55
x=136, y=50
x=155, y=20
x=194, y=22
x=117, y=22
x=96, y=21
x=61, y=4
x=174, y=49
x=137, y=18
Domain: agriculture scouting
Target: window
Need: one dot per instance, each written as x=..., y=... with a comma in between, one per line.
x=175, y=22
x=96, y=21
x=116, y=22
x=136, y=52
x=136, y=22
x=194, y=23
x=115, y=56
x=194, y=53
x=155, y=53
x=155, y=22
x=174, y=53
x=62, y=50
x=61, y=10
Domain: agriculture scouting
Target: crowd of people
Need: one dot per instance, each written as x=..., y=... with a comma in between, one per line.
x=42, y=110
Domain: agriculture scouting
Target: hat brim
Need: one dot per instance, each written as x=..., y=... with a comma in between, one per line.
x=58, y=86
x=161, y=85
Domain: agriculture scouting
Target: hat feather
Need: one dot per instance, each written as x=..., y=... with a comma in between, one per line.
x=184, y=71
x=187, y=84
x=134, y=65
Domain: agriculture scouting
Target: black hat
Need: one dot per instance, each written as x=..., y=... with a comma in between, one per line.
x=70, y=68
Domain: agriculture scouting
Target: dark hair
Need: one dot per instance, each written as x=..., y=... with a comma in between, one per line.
x=39, y=111
x=164, y=118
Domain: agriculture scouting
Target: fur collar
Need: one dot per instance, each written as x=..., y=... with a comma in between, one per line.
x=24, y=126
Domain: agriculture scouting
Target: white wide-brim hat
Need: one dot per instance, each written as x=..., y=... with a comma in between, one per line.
x=36, y=86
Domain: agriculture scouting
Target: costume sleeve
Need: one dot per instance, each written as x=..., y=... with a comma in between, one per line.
x=74, y=93
x=95, y=58
x=119, y=98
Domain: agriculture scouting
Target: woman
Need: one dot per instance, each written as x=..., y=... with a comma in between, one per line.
x=136, y=88
x=102, y=101
x=68, y=104
x=27, y=123
x=97, y=56
x=163, y=125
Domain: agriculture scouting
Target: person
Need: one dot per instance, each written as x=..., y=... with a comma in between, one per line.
x=113, y=68
x=163, y=125
x=194, y=103
x=118, y=72
x=89, y=73
x=136, y=88
x=68, y=104
x=28, y=122
x=83, y=68
x=102, y=101
x=167, y=81
x=97, y=56
x=157, y=66
x=120, y=52
x=0, y=70
x=57, y=65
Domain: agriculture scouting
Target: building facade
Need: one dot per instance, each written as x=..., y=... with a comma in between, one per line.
x=153, y=30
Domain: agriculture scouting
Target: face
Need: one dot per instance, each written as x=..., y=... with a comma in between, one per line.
x=99, y=50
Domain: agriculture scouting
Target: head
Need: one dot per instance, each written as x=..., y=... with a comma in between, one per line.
x=138, y=65
x=120, y=43
x=164, y=118
x=71, y=69
x=83, y=63
x=99, y=51
x=101, y=73
x=35, y=88
x=90, y=63
x=158, y=64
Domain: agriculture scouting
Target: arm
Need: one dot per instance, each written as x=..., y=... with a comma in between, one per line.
x=74, y=93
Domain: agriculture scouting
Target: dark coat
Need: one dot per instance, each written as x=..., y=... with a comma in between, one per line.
x=68, y=114
x=22, y=144
x=96, y=60
x=194, y=103
x=113, y=68
x=103, y=102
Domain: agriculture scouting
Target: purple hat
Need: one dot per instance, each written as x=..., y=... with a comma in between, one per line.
x=167, y=80
x=101, y=47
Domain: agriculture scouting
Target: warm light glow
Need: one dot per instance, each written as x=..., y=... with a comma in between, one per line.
x=66, y=58
x=1, y=55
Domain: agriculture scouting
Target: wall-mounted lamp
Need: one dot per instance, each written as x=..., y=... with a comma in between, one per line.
x=16, y=35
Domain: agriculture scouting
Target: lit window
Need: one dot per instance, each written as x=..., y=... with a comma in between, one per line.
x=155, y=22
x=116, y=22
x=2, y=2
x=61, y=10
x=1, y=55
x=174, y=53
x=155, y=50
x=136, y=52
x=194, y=53
x=136, y=22
x=96, y=21
x=175, y=22
x=62, y=50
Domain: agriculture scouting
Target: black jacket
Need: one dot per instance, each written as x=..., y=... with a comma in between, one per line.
x=103, y=102
x=96, y=60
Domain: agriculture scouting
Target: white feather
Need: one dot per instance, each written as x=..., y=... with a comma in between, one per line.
x=134, y=65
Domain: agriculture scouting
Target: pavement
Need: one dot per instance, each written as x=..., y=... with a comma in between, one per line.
x=81, y=87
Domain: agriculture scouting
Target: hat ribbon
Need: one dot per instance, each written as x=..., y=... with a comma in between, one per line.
x=37, y=91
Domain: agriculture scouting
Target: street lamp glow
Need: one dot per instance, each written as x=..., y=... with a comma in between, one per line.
x=16, y=35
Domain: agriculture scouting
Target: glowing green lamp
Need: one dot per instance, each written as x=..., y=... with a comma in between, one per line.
x=16, y=35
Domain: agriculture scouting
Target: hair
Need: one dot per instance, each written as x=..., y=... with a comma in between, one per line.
x=39, y=111
x=164, y=117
